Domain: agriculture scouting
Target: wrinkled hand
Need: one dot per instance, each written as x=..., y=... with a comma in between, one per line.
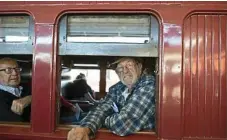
x=79, y=133
x=19, y=105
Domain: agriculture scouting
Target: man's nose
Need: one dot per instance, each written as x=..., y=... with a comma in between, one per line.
x=125, y=69
x=14, y=72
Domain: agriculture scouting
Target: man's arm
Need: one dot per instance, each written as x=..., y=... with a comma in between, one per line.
x=19, y=104
x=135, y=114
x=79, y=133
x=7, y=115
x=95, y=118
x=93, y=121
x=65, y=103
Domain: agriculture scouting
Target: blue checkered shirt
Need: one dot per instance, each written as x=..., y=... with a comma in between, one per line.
x=133, y=114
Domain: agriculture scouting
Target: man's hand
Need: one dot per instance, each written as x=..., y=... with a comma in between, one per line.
x=79, y=133
x=19, y=104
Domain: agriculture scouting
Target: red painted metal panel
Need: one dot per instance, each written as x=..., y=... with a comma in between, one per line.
x=186, y=75
x=222, y=70
x=201, y=64
x=194, y=76
x=215, y=76
x=42, y=80
x=171, y=69
x=207, y=69
x=204, y=75
x=196, y=138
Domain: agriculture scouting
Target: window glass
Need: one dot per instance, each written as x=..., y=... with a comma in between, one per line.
x=133, y=35
x=16, y=48
x=102, y=28
x=14, y=28
x=17, y=89
x=16, y=34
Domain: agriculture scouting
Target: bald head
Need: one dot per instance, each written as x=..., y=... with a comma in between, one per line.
x=7, y=60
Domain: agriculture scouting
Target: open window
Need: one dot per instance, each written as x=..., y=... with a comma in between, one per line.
x=16, y=37
x=88, y=43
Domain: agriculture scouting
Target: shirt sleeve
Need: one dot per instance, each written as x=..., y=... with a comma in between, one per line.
x=96, y=117
x=135, y=114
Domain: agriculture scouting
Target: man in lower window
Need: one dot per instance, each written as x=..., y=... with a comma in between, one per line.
x=14, y=104
x=127, y=108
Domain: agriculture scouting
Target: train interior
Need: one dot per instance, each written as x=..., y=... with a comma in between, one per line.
x=24, y=62
x=99, y=76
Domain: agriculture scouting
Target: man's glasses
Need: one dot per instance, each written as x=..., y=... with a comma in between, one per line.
x=10, y=70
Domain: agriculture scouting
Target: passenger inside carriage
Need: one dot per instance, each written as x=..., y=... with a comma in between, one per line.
x=128, y=107
x=14, y=100
x=79, y=89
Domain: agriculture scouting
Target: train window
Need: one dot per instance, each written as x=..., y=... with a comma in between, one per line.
x=93, y=68
x=112, y=35
x=16, y=37
x=16, y=34
x=88, y=43
x=10, y=113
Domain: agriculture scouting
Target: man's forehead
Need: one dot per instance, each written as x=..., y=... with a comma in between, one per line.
x=8, y=64
x=126, y=60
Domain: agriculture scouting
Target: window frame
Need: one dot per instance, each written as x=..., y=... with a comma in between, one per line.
x=20, y=47
x=110, y=49
x=78, y=49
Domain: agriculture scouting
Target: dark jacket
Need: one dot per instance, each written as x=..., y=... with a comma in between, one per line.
x=77, y=89
x=6, y=100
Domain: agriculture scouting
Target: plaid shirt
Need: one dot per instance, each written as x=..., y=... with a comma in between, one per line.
x=125, y=116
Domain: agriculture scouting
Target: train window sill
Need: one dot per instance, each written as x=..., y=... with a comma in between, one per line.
x=15, y=128
x=12, y=124
x=106, y=134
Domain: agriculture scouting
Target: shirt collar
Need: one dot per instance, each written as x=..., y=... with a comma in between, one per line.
x=13, y=90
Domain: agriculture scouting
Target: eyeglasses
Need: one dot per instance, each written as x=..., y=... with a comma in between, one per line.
x=10, y=70
x=128, y=65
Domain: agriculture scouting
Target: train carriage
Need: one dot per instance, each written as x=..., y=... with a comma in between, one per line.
x=182, y=43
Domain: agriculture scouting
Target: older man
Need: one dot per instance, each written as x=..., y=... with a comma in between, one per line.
x=12, y=100
x=127, y=108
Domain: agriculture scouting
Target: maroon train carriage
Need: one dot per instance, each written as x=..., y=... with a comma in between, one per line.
x=182, y=43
